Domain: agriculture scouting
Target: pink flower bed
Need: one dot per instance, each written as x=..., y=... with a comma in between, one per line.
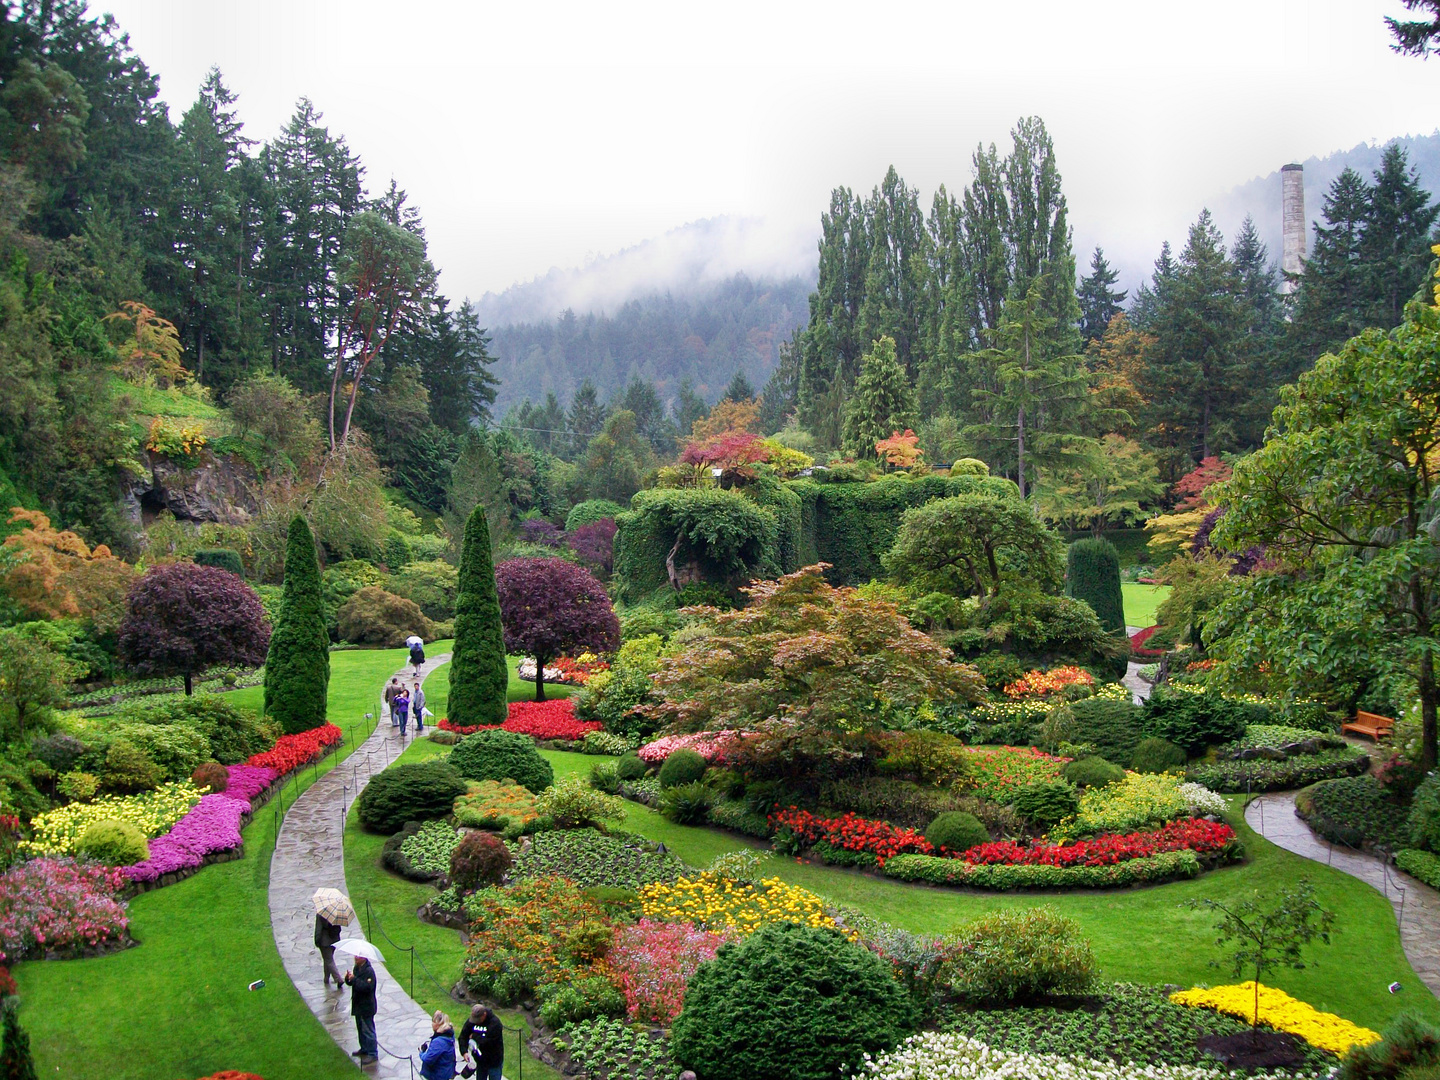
x=213, y=825
x=59, y=906
x=248, y=781
x=651, y=962
x=711, y=745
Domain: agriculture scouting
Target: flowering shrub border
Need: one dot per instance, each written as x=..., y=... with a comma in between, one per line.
x=1001, y=877
x=209, y=830
x=553, y=719
x=651, y=963
x=1043, y=684
x=998, y=772
x=291, y=752
x=1282, y=1012
x=55, y=908
x=1193, y=834
x=713, y=746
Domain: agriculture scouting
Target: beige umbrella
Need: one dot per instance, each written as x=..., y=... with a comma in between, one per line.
x=333, y=906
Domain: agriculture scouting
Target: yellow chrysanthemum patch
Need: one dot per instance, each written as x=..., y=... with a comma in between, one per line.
x=715, y=902
x=152, y=812
x=1282, y=1012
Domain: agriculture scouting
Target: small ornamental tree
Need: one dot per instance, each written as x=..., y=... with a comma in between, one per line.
x=15, y=1060
x=478, y=675
x=181, y=619
x=297, y=667
x=551, y=607
x=1261, y=935
x=901, y=450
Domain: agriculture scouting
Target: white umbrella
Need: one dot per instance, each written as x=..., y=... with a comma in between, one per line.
x=413, y=640
x=355, y=946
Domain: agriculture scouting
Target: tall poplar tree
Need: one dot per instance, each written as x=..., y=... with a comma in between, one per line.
x=479, y=676
x=297, y=667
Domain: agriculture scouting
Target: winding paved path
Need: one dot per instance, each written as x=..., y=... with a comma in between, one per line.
x=310, y=854
x=1417, y=906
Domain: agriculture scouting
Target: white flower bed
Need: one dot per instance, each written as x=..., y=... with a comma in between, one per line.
x=527, y=672
x=1201, y=798
x=937, y=1056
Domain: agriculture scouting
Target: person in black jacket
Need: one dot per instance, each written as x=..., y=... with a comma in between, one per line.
x=361, y=979
x=326, y=935
x=489, y=1035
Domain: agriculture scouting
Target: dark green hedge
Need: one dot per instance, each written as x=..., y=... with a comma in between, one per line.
x=732, y=537
x=224, y=558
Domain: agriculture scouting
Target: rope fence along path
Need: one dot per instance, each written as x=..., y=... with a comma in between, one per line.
x=1416, y=905
x=310, y=854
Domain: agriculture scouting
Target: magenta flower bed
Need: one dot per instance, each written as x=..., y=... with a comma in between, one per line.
x=652, y=962
x=59, y=906
x=247, y=781
x=213, y=825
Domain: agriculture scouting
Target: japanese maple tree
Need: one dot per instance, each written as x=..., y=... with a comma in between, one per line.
x=901, y=450
x=551, y=607
x=181, y=618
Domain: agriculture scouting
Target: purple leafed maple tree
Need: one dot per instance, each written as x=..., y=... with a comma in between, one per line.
x=595, y=544
x=181, y=618
x=550, y=608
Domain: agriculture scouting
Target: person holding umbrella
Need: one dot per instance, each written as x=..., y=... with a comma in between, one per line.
x=332, y=911
x=361, y=979
x=417, y=652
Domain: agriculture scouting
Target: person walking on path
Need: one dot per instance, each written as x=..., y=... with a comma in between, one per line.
x=485, y=1029
x=437, y=1056
x=402, y=709
x=361, y=980
x=417, y=656
x=392, y=688
x=327, y=934
x=417, y=708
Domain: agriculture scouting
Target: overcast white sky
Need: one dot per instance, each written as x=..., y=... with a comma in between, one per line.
x=534, y=135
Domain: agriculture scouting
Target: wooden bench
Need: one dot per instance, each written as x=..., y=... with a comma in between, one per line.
x=1371, y=725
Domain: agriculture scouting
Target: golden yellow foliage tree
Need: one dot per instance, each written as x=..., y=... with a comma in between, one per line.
x=56, y=575
x=726, y=416
x=152, y=348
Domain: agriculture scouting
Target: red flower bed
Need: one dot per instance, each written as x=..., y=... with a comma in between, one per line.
x=852, y=833
x=1138, y=640
x=554, y=719
x=1195, y=834
x=292, y=751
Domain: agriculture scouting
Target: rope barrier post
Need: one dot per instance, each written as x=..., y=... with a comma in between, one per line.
x=369, y=921
x=412, y=971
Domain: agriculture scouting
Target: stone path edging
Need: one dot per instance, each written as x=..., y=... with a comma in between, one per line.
x=1416, y=905
x=310, y=854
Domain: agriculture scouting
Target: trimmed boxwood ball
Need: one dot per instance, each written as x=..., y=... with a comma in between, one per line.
x=502, y=755
x=1113, y=728
x=789, y=1003
x=1092, y=772
x=419, y=792
x=114, y=843
x=631, y=767
x=480, y=859
x=1047, y=803
x=956, y=830
x=682, y=767
x=1157, y=756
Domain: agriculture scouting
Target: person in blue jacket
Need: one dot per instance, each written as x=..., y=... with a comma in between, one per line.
x=437, y=1056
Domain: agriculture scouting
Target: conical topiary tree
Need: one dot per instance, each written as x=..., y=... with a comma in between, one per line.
x=15, y=1060
x=478, y=672
x=297, y=669
x=1092, y=574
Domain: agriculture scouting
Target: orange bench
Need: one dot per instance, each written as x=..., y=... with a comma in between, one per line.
x=1371, y=725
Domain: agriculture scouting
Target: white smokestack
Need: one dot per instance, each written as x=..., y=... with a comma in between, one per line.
x=1292, y=221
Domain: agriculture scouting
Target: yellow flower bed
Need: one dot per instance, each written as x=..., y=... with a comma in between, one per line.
x=1282, y=1012
x=1141, y=800
x=152, y=812
x=712, y=901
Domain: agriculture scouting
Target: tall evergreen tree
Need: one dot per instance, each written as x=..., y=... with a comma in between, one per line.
x=297, y=667
x=1331, y=302
x=1195, y=370
x=739, y=388
x=689, y=407
x=651, y=422
x=1259, y=279
x=1099, y=300
x=479, y=675
x=586, y=417
x=779, y=398
x=455, y=366
x=16, y=1062
x=1396, y=246
x=882, y=403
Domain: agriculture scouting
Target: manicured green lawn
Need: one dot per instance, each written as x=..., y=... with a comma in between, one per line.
x=1140, y=935
x=1142, y=601
x=177, y=1005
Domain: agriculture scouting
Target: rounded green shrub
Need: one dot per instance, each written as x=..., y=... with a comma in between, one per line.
x=1424, y=820
x=211, y=776
x=234, y=733
x=631, y=767
x=956, y=831
x=1018, y=955
x=591, y=511
x=1090, y=772
x=224, y=558
x=502, y=755
x=682, y=767
x=114, y=843
x=1047, y=803
x=1157, y=755
x=480, y=859
x=810, y=1005
x=1194, y=720
x=404, y=793
x=129, y=769
x=1113, y=728
x=687, y=804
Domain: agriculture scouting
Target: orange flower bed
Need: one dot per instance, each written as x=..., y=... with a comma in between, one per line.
x=1041, y=684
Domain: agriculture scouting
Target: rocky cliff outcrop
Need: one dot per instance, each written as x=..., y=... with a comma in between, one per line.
x=220, y=489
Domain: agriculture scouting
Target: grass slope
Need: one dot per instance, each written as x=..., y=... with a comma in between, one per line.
x=177, y=1005
x=1140, y=935
x=1141, y=602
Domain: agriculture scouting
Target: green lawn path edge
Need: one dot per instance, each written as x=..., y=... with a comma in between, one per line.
x=1141, y=602
x=176, y=1006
